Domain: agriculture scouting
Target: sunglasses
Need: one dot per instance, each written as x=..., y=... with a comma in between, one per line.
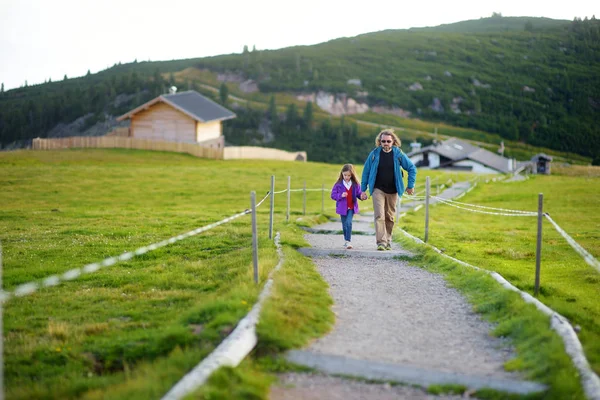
x=386, y=141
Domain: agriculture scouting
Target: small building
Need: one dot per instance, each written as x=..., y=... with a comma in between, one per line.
x=541, y=163
x=458, y=155
x=186, y=117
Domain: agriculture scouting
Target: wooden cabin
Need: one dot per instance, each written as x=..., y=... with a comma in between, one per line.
x=185, y=117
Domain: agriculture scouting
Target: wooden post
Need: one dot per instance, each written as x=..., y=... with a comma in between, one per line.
x=538, y=250
x=322, y=198
x=287, y=218
x=272, y=206
x=426, y=209
x=254, y=236
x=304, y=200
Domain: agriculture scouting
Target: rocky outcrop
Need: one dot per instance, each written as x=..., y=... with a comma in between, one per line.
x=339, y=104
x=479, y=84
x=249, y=86
x=415, y=86
x=393, y=110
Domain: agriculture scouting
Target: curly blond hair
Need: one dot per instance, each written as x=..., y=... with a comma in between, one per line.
x=387, y=132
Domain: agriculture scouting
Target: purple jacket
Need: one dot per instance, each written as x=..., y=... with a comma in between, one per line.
x=341, y=206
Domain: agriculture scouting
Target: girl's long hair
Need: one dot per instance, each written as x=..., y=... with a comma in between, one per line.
x=389, y=132
x=348, y=168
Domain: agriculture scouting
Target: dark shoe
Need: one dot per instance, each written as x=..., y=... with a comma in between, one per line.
x=388, y=246
x=380, y=247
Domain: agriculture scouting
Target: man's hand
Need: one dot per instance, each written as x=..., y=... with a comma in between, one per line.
x=410, y=191
x=363, y=196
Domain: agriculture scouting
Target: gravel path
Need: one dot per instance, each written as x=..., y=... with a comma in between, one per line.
x=388, y=311
x=322, y=387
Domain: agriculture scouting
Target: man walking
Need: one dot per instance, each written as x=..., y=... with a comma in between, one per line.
x=383, y=176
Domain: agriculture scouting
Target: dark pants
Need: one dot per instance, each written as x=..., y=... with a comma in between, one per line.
x=347, y=225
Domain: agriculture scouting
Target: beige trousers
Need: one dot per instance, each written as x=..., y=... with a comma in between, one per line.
x=384, y=208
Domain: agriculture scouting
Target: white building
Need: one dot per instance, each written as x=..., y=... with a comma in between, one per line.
x=458, y=155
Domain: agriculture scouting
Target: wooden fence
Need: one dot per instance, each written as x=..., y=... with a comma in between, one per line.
x=126, y=143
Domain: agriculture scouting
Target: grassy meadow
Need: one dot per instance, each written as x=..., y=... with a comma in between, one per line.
x=507, y=245
x=130, y=331
x=123, y=329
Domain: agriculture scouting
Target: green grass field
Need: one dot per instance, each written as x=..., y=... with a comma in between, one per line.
x=507, y=245
x=130, y=331
x=65, y=209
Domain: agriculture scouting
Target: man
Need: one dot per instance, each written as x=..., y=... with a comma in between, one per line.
x=383, y=176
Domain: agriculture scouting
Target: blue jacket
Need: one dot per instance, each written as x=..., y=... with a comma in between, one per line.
x=370, y=170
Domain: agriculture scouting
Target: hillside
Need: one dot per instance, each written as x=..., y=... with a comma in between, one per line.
x=541, y=87
x=529, y=80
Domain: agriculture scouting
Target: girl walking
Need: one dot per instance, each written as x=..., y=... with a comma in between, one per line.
x=346, y=192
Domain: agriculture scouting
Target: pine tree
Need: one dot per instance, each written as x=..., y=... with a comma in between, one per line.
x=308, y=115
x=224, y=93
x=272, y=109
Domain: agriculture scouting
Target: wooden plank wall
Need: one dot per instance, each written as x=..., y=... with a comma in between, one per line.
x=163, y=122
x=104, y=142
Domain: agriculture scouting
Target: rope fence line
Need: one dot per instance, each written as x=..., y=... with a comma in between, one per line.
x=588, y=258
x=485, y=207
x=260, y=202
x=486, y=212
x=54, y=280
x=520, y=214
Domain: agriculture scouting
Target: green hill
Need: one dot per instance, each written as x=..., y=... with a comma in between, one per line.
x=529, y=80
x=496, y=24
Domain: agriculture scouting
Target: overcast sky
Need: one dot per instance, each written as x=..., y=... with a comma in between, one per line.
x=41, y=39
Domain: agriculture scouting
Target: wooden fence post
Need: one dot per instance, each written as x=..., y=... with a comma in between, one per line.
x=272, y=206
x=254, y=236
x=304, y=200
x=538, y=250
x=427, y=187
x=322, y=198
x=287, y=218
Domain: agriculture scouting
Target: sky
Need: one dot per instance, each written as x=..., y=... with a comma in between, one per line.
x=43, y=39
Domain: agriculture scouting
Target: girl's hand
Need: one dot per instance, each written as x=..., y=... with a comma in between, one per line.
x=344, y=194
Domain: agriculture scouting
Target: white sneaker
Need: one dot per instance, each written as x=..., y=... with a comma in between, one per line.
x=345, y=245
x=348, y=245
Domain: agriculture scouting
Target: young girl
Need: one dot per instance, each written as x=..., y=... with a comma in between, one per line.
x=346, y=192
